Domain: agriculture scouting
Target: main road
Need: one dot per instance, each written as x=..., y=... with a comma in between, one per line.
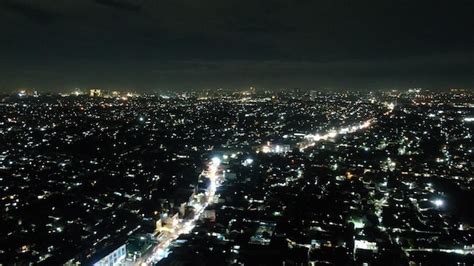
x=185, y=226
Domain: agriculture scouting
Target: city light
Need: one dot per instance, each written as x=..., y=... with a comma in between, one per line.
x=248, y=162
x=348, y=156
x=216, y=161
x=438, y=203
x=166, y=133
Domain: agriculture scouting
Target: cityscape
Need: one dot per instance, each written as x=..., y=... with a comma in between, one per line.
x=236, y=133
x=240, y=177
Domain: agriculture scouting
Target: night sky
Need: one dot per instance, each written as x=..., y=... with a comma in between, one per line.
x=180, y=44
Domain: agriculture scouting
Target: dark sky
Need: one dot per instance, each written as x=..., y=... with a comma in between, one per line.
x=148, y=44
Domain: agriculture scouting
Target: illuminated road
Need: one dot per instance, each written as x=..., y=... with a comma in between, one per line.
x=312, y=139
x=161, y=250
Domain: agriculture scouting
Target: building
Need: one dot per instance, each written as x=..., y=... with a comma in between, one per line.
x=114, y=258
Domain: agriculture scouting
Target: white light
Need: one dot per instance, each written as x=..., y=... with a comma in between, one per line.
x=344, y=130
x=438, y=203
x=332, y=134
x=391, y=106
x=366, y=124
x=317, y=137
x=278, y=149
x=248, y=162
x=216, y=161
